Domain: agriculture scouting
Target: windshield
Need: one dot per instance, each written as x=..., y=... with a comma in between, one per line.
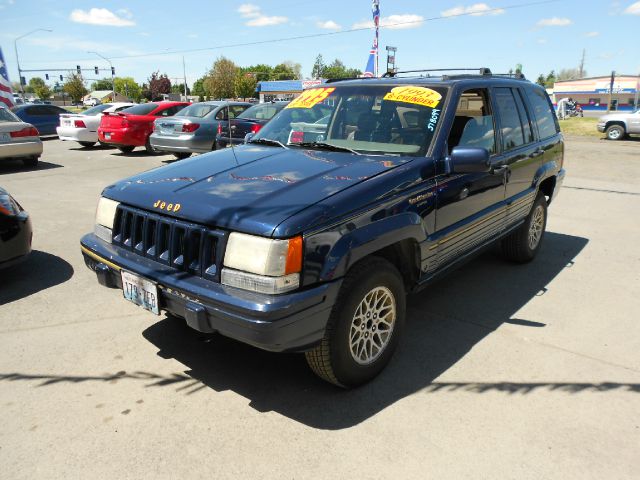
x=97, y=109
x=261, y=112
x=196, y=110
x=142, y=109
x=373, y=119
x=7, y=116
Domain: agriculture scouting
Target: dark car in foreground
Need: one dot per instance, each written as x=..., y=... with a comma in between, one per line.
x=46, y=118
x=249, y=121
x=309, y=237
x=194, y=129
x=15, y=231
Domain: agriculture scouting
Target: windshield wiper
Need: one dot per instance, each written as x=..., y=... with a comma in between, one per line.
x=325, y=146
x=268, y=141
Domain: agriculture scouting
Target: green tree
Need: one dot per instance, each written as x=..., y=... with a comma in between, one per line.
x=157, y=85
x=283, y=71
x=337, y=69
x=37, y=86
x=220, y=81
x=318, y=67
x=262, y=72
x=294, y=67
x=569, y=74
x=541, y=80
x=550, y=79
x=245, y=85
x=179, y=88
x=74, y=86
x=198, y=89
x=128, y=87
x=102, y=84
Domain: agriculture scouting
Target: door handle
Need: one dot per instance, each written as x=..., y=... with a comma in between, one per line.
x=536, y=153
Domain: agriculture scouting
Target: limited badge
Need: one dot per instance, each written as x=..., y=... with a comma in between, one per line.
x=415, y=95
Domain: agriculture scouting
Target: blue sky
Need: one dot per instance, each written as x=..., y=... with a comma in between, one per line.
x=540, y=37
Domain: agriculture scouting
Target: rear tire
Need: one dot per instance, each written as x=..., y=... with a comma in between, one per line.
x=149, y=148
x=615, y=132
x=126, y=148
x=523, y=245
x=182, y=155
x=87, y=144
x=364, y=327
x=31, y=161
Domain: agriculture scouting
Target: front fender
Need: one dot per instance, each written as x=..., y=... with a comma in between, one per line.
x=359, y=242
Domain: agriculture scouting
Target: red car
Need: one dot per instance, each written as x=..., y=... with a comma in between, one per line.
x=131, y=127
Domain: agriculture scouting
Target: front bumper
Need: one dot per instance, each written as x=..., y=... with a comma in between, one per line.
x=15, y=244
x=289, y=322
x=601, y=127
x=180, y=143
x=74, y=134
x=31, y=148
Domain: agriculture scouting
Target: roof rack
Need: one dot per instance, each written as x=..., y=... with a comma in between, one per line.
x=482, y=72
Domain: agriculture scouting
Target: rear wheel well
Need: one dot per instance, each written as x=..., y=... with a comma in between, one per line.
x=547, y=187
x=405, y=256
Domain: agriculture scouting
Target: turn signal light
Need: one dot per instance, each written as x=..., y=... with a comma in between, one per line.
x=79, y=124
x=294, y=256
x=191, y=127
x=25, y=132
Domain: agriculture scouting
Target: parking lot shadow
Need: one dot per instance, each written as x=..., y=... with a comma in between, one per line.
x=38, y=272
x=444, y=323
x=16, y=166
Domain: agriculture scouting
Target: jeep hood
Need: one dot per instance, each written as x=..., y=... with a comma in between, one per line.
x=251, y=190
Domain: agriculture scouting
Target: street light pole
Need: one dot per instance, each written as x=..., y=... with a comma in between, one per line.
x=113, y=85
x=15, y=47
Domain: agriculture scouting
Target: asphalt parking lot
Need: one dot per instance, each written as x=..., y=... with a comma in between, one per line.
x=505, y=371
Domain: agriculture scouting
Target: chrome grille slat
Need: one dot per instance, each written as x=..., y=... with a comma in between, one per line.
x=181, y=245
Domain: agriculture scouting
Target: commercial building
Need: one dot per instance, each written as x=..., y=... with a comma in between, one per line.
x=593, y=93
x=283, y=89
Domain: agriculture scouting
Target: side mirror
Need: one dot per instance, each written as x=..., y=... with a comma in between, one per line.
x=470, y=160
x=248, y=137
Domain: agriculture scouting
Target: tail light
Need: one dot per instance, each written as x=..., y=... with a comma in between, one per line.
x=124, y=122
x=297, y=137
x=79, y=124
x=219, y=128
x=25, y=132
x=192, y=127
x=256, y=128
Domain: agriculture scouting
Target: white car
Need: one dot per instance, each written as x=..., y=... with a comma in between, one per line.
x=83, y=127
x=91, y=102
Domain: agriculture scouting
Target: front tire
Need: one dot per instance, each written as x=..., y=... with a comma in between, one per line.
x=87, y=144
x=615, y=132
x=364, y=327
x=523, y=245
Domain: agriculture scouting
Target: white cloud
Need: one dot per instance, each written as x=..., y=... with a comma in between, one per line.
x=65, y=42
x=255, y=17
x=592, y=34
x=476, y=10
x=101, y=16
x=541, y=41
x=554, y=22
x=328, y=25
x=633, y=9
x=394, y=22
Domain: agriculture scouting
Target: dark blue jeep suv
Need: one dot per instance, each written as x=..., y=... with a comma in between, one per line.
x=308, y=237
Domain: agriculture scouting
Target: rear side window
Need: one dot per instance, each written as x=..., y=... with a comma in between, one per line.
x=543, y=113
x=7, y=116
x=510, y=125
x=142, y=109
x=169, y=112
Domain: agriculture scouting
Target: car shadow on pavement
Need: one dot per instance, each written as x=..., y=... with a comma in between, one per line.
x=444, y=322
x=16, y=166
x=38, y=272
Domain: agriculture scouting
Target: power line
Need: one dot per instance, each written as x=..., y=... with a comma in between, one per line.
x=340, y=32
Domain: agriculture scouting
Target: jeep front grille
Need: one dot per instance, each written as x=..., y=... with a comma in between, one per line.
x=185, y=246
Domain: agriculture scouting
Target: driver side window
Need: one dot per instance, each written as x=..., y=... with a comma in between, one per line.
x=473, y=125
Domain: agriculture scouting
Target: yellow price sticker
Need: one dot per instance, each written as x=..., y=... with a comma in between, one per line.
x=310, y=98
x=416, y=95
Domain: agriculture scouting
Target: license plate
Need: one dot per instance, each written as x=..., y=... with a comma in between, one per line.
x=66, y=122
x=140, y=291
x=5, y=137
x=107, y=136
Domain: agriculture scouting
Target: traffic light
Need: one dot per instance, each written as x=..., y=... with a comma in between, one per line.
x=46, y=76
x=78, y=69
x=95, y=69
x=61, y=78
x=113, y=71
x=23, y=81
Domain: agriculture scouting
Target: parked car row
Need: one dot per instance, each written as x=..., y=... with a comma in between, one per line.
x=83, y=127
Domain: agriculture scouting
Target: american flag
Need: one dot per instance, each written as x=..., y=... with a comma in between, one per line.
x=6, y=95
x=371, y=69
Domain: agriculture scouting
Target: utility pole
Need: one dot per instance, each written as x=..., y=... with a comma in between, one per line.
x=184, y=72
x=613, y=79
x=581, y=68
x=15, y=47
x=635, y=102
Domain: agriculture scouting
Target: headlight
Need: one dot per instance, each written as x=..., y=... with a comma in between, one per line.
x=105, y=215
x=262, y=264
x=8, y=206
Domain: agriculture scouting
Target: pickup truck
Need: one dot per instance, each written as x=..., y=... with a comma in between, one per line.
x=309, y=237
x=618, y=126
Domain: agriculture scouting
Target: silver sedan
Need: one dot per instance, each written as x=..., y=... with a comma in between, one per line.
x=194, y=128
x=18, y=139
